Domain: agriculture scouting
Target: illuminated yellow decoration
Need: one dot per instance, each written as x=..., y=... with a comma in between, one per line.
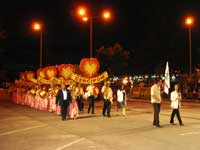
x=89, y=66
x=83, y=80
x=66, y=70
x=40, y=73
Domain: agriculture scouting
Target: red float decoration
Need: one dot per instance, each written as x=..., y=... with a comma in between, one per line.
x=89, y=67
x=66, y=70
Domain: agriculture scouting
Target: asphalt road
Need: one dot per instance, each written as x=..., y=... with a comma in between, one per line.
x=24, y=128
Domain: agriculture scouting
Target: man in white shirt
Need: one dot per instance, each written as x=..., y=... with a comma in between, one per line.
x=90, y=96
x=108, y=99
x=175, y=98
x=156, y=101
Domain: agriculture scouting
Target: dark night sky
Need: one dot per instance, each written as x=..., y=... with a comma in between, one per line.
x=153, y=30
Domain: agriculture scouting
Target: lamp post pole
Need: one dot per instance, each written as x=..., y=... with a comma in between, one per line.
x=41, y=49
x=83, y=13
x=91, y=38
x=190, y=50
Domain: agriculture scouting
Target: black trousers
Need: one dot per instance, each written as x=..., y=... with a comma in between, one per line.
x=91, y=104
x=156, y=108
x=177, y=113
x=64, y=108
x=80, y=103
x=106, y=107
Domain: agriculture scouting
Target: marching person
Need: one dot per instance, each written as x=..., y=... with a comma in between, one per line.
x=108, y=99
x=90, y=97
x=175, y=98
x=156, y=102
x=73, y=107
x=63, y=98
x=79, y=93
x=121, y=100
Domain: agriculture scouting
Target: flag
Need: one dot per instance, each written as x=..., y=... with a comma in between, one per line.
x=167, y=79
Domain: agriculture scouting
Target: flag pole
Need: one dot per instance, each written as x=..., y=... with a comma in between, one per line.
x=167, y=80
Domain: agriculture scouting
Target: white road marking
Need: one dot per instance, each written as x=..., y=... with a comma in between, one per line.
x=14, y=131
x=190, y=133
x=70, y=144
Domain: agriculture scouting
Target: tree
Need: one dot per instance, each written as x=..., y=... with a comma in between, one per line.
x=113, y=59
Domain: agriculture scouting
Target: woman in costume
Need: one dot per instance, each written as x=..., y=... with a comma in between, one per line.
x=79, y=93
x=121, y=100
x=73, y=107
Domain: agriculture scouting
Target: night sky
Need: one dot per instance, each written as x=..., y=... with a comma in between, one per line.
x=153, y=31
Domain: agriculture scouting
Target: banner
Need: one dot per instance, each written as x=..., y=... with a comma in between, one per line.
x=84, y=80
x=167, y=79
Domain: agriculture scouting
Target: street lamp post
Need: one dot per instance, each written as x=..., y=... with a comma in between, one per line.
x=189, y=22
x=91, y=40
x=41, y=49
x=190, y=48
x=85, y=18
x=38, y=27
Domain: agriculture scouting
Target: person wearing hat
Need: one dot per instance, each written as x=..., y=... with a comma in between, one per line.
x=63, y=98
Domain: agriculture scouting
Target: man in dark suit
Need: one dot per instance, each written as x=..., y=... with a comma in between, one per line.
x=63, y=98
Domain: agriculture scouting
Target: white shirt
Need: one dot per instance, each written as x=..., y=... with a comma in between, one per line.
x=155, y=94
x=120, y=95
x=175, y=99
x=90, y=90
x=64, y=94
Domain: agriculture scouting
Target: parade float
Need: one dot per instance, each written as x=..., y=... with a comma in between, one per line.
x=86, y=73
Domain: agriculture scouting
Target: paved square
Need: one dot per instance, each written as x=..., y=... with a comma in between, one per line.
x=24, y=128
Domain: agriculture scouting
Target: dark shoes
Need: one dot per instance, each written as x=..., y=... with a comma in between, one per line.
x=107, y=116
x=181, y=124
x=172, y=123
x=158, y=126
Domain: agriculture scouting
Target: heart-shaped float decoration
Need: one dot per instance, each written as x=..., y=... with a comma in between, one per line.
x=89, y=66
x=22, y=76
x=66, y=70
x=40, y=73
x=30, y=75
x=50, y=72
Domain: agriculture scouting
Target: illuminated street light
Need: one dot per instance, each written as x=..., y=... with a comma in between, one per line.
x=189, y=21
x=38, y=27
x=106, y=15
x=85, y=19
x=82, y=12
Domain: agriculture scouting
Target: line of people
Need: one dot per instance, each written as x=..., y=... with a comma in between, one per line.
x=156, y=101
x=68, y=101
